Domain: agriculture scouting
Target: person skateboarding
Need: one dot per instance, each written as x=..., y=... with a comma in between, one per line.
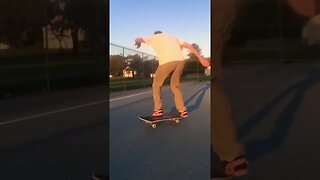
x=169, y=50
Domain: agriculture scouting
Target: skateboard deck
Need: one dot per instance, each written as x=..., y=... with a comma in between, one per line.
x=153, y=121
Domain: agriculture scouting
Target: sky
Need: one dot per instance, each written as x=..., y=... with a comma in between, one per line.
x=188, y=20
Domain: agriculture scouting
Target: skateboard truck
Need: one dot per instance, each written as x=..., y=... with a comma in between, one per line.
x=153, y=121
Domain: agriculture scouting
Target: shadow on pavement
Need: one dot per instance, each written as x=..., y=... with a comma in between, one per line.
x=200, y=93
x=257, y=148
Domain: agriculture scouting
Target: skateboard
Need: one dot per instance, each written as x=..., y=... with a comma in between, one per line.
x=153, y=121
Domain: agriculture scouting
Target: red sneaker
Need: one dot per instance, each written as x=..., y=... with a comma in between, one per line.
x=184, y=114
x=157, y=113
x=229, y=169
x=238, y=167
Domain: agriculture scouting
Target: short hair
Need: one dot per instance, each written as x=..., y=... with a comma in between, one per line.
x=157, y=32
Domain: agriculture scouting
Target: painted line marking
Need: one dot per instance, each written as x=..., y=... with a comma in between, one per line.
x=67, y=109
x=51, y=112
x=124, y=97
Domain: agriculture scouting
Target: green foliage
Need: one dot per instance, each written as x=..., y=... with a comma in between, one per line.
x=135, y=62
x=22, y=20
x=191, y=55
x=116, y=65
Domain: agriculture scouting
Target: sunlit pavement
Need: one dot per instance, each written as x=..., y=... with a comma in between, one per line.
x=275, y=108
x=170, y=151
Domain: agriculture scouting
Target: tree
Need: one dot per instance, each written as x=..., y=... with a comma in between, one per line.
x=21, y=21
x=116, y=65
x=193, y=65
x=135, y=61
x=191, y=55
x=150, y=67
x=90, y=16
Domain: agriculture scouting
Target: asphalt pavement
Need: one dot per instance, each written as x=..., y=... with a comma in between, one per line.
x=170, y=151
x=275, y=109
x=60, y=135
x=66, y=134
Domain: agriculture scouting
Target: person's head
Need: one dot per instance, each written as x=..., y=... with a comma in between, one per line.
x=157, y=32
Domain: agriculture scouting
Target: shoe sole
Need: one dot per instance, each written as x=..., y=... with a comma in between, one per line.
x=157, y=116
x=97, y=178
x=241, y=173
x=226, y=178
x=238, y=174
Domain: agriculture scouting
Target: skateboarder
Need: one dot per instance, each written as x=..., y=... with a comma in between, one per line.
x=223, y=134
x=171, y=60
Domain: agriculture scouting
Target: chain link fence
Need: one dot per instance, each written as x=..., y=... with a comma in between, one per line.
x=283, y=36
x=131, y=69
x=49, y=50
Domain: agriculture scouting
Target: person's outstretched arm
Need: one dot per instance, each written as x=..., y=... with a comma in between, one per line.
x=202, y=60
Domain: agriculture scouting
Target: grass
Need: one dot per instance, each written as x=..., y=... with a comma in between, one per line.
x=25, y=73
x=30, y=74
x=120, y=84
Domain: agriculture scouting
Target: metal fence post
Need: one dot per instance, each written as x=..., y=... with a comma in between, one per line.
x=47, y=71
x=141, y=77
x=46, y=52
x=280, y=24
x=143, y=72
x=198, y=66
x=124, y=78
x=152, y=66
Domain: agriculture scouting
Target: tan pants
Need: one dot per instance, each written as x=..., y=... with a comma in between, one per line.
x=163, y=71
x=223, y=133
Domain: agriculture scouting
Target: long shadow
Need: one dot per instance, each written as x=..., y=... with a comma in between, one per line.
x=257, y=148
x=35, y=143
x=138, y=101
x=200, y=93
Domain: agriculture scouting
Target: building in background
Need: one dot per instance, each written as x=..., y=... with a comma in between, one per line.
x=53, y=40
x=129, y=72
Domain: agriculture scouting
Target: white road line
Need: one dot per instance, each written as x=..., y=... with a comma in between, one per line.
x=52, y=112
x=124, y=97
x=67, y=109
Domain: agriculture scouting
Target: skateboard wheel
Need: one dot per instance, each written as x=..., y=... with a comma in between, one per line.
x=177, y=121
x=154, y=125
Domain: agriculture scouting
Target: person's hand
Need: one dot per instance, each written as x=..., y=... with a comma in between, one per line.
x=138, y=42
x=204, y=62
x=138, y=45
